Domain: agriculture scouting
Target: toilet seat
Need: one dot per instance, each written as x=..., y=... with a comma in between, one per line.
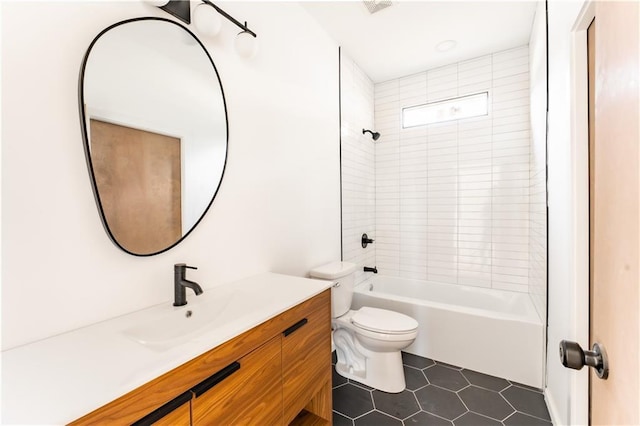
x=383, y=321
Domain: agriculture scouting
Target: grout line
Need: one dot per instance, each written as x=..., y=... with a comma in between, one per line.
x=440, y=417
x=420, y=388
x=339, y=386
x=456, y=418
x=509, y=416
x=468, y=386
x=361, y=415
x=392, y=416
x=535, y=417
x=508, y=402
x=359, y=385
x=345, y=416
x=525, y=387
x=448, y=390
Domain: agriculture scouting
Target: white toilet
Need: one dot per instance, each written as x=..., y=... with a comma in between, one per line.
x=368, y=341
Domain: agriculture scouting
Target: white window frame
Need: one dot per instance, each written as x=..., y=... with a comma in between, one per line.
x=451, y=104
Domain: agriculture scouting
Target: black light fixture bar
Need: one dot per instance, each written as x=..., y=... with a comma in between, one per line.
x=230, y=18
x=180, y=9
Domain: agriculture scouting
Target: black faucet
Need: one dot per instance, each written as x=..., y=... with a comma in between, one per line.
x=369, y=269
x=180, y=283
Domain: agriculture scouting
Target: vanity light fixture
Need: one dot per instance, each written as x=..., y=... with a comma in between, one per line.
x=207, y=22
x=246, y=44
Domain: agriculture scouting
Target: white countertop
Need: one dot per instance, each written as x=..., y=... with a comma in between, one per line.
x=62, y=378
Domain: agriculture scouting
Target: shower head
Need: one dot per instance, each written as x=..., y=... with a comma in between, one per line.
x=374, y=135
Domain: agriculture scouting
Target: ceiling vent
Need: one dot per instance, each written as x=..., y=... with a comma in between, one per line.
x=374, y=6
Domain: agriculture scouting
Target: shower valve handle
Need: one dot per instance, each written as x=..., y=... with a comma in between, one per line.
x=366, y=240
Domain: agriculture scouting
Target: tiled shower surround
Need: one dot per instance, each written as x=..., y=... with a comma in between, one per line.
x=452, y=199
x=358, y=165
x=454, y=202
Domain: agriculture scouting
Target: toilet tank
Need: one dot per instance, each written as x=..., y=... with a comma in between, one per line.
x=343, y=273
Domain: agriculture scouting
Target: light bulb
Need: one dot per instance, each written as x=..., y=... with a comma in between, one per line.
x=207, y=20
x=246, y=45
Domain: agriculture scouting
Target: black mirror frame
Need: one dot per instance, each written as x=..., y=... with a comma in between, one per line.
x=85, y=137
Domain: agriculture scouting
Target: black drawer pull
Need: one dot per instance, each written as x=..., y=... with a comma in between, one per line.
x=167, y=408
x=207, y=384
x=294, y=327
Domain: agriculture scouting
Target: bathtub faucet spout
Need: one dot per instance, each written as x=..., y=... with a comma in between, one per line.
x=369, y=269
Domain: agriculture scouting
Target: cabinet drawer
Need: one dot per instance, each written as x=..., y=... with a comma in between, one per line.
x=306, y=358
x=249, y=395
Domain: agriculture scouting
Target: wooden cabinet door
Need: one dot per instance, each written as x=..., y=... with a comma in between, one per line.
x=306, y=361
x=250, y=394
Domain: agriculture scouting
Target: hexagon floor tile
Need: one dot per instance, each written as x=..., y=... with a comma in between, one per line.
x=414, y=378
x=486, y=402
x=399, y=405
x=439, y=394
x=446, y=377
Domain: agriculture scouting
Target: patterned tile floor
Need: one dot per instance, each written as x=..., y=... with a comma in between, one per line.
x=439, y=394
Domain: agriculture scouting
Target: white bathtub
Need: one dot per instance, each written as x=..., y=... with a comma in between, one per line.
x=495, y=332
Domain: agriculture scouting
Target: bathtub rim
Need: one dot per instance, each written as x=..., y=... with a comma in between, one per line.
x=531, y=317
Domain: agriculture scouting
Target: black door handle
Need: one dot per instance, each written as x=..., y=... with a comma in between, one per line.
x=167, y=408
x=294, y=327
x=216, y=378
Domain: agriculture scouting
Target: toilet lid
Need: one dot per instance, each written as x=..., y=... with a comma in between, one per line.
x=383, y=321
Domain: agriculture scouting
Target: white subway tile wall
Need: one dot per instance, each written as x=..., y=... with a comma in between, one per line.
x=358, y=166
x=451, y=200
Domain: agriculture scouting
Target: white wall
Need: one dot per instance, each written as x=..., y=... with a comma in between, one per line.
x=358, y=167
x=453, y=198
x=564, y=286
x=277, y=209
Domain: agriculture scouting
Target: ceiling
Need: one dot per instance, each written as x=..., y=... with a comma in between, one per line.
x=401, y=39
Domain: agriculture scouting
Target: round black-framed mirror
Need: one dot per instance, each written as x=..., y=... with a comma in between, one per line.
x=155, y=129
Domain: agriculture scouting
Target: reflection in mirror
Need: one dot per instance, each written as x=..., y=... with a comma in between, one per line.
x=155, y=126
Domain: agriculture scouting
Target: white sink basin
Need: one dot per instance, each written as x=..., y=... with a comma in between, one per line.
x=169, y=326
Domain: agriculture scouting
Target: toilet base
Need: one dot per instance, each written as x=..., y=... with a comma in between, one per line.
x=383, y=371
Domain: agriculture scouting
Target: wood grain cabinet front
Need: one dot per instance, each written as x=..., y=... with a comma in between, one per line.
x=179, y=417
x=249, y=395
x=176, y=412
x=306, y=363
x=277, y=373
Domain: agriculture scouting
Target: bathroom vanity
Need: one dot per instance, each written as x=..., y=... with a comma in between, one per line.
x=270, y=364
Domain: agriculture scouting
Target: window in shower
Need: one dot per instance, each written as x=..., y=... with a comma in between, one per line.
x=446, y=110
